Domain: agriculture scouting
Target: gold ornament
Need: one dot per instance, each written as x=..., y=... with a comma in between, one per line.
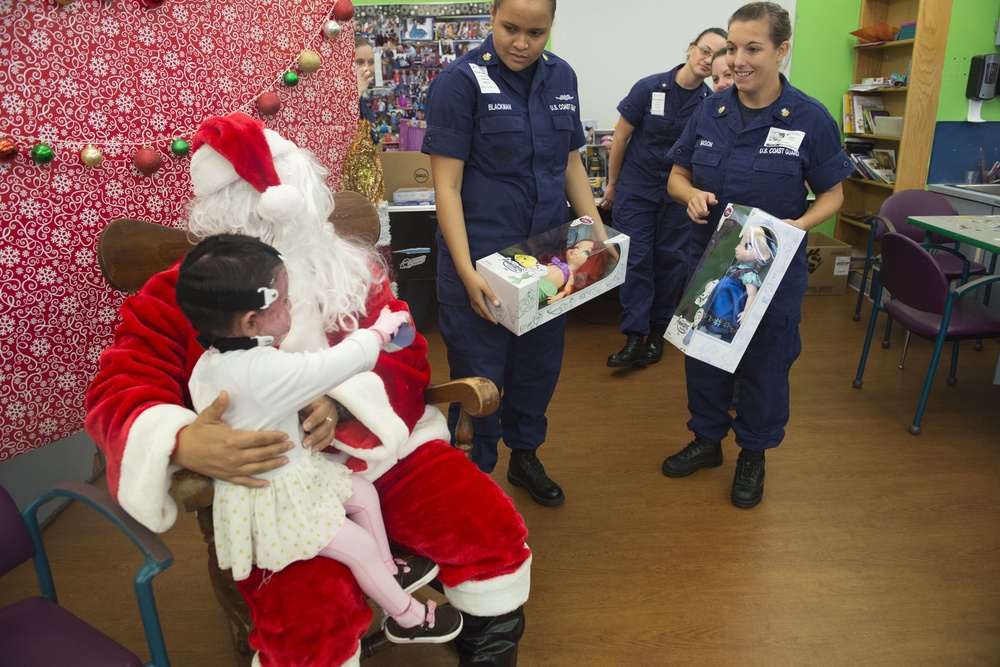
x=362, y=170
x=309, y=61
x=90, y=156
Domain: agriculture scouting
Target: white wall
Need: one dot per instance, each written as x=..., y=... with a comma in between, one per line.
x=613, y=43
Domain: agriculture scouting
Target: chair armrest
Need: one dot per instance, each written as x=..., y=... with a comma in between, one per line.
x=478, y=397
x=975, y=284
x=158, y=556
x=965, y=260
x=145, y=540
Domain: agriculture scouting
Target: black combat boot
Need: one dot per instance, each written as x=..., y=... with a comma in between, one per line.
x=490, y=641
x=653, y=351
x=630, y=355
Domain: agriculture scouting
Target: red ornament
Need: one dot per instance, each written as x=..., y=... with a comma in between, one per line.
x=151, y=4
x=343, y=10
x=8, y=150
x=147, y=160
x=268, y=103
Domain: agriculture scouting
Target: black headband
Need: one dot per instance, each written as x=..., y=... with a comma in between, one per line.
x=229, y=301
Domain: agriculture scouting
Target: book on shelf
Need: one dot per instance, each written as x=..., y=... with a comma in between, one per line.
x=858, y=105
x=870, y=115
x=870, y=163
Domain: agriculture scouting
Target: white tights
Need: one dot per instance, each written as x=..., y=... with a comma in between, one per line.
x=361, y=544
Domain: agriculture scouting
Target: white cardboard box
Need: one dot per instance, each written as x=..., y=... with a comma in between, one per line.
x=517, y=275
x=706, y=324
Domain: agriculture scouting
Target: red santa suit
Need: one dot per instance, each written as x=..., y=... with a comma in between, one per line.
x=435, y=502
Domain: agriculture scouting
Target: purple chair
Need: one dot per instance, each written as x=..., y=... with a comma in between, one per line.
x=36, y=631
x=892, y=217
x=922, y=302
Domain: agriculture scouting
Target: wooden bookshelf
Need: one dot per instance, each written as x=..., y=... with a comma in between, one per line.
x=922, y=58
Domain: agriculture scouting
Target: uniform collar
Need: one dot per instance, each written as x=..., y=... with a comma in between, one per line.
x=669, y=81
x=782, y=109
x=488, y=54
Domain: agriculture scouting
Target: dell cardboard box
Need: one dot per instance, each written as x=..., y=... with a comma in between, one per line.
x=406, y=170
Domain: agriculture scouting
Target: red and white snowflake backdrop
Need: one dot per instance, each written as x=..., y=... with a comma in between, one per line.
x=118, y=75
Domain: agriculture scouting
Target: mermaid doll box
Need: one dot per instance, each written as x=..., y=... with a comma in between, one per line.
x=732, y=285
x=554, y=272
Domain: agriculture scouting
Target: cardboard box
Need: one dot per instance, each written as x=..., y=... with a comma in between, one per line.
x=524, y=277
x=406, y=169
x=829, y=262
x=732, y=286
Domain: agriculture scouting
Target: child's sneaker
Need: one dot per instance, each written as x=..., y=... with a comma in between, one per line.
x=441, y=625
x=416, y=573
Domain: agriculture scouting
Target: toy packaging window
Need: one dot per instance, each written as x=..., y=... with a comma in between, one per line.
x=552, y=273
x=732, y=285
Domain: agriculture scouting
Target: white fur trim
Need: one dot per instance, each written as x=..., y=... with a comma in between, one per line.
x=492, y=597
x=365, y=397
x=431, y=426
x=353, y=661
x=144, y=486
x=210, y=172
x=280, y=203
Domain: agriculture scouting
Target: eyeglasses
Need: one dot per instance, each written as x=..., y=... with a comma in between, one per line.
x=705, y=51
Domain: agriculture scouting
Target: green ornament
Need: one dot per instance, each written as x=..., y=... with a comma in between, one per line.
x=290, y=79
x=179, y=147
x=42, y=154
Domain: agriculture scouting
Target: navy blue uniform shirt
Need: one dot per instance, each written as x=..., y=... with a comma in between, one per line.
x=766, y=164
x=648, y=159
x=515, y=148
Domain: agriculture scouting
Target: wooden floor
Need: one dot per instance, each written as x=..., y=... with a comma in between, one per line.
x=871, y=547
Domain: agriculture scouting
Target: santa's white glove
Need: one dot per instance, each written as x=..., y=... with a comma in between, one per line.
x=388, y=323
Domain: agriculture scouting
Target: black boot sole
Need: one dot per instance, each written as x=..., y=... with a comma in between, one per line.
x=688, y=473
x=547, y=502
x=625, y=364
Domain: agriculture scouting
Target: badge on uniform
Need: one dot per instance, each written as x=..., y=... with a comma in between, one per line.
x=658, y=104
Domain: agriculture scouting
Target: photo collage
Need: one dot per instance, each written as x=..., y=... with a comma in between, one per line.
x=414, y=43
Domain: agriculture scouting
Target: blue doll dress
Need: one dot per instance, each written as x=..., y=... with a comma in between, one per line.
x=728, y=299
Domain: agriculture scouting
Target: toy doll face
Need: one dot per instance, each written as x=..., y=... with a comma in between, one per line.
x=579, y=253
x=744, y=252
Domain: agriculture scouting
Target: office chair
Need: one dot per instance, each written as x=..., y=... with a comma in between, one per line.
x=892, y=217
x=36, y=631
x=922, y=302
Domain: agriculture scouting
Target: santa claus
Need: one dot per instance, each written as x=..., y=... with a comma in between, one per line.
x=249, y=180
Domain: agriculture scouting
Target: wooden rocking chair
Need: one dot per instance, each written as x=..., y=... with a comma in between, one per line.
x=131, y=251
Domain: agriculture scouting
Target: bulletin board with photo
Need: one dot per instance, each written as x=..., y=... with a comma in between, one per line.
x=414, y=43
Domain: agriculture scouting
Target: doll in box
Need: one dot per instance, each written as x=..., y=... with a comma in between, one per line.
x=734, y=294
x=578, y=266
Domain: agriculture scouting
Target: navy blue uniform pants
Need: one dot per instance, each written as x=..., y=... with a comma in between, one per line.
x=524, y=368
x=762, y=407
x=657, y=259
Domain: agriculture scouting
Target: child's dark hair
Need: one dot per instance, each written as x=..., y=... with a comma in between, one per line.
x=220, y=279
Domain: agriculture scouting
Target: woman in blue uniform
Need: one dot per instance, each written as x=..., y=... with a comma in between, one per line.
x=758, y=143
x=653, y=115
x=503, y=133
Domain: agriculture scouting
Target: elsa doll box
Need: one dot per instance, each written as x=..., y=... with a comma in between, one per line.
x=732, y=285
x=552, y=273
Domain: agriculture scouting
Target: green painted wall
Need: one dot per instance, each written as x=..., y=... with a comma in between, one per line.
x=970, y=34
x=823, y=55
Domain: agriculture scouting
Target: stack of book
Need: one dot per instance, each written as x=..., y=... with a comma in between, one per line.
x=860, y=112
x=870, y=163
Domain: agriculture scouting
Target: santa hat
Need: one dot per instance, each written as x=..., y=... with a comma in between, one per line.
x=234, y=147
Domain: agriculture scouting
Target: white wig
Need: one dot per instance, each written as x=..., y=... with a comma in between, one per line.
x=335, y=273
